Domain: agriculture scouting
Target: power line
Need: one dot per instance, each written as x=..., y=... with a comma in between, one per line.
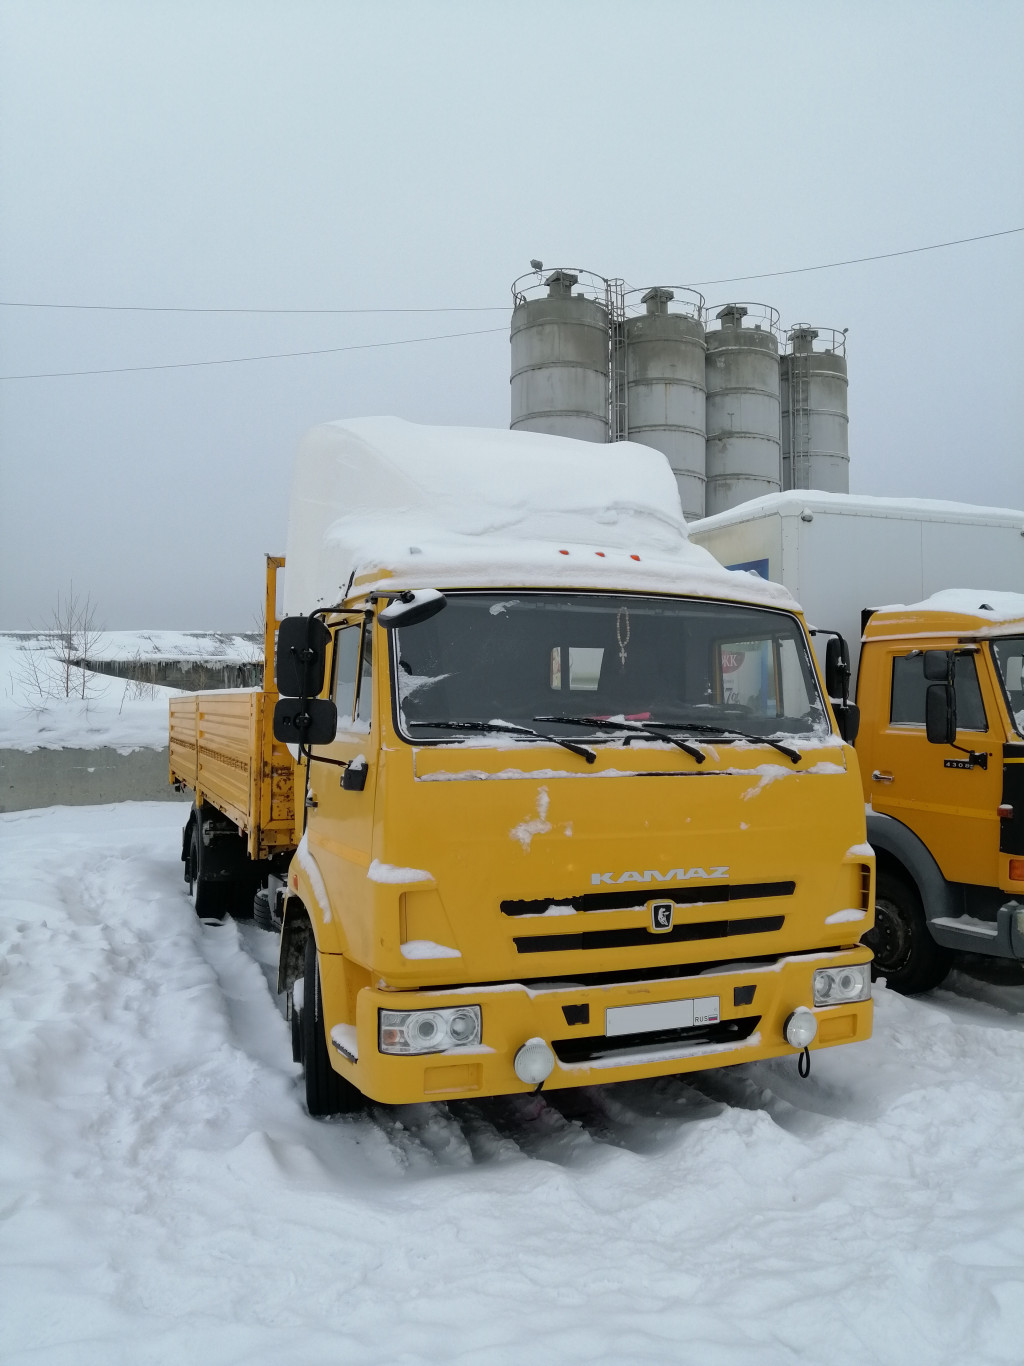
x=241, y=360
x=475, y=308
x=411, y=341
x=162, y=308
x=492, y=308
x=857, y=260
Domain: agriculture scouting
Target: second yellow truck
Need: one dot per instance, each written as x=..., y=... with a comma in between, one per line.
x=541, y=796
x=940, y=696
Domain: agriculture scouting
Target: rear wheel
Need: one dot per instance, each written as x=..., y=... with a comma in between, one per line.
x=211, y=899
x=905, y=953
x=262, y=915
x=326, y=1092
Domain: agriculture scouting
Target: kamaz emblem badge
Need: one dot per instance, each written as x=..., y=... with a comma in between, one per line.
x=661, y=916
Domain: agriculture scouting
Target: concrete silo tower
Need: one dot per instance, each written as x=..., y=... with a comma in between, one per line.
x=744, y=442
x=665, y=397
x=815, y=420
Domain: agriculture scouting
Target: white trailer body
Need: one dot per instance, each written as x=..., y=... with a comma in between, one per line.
x=839, y=554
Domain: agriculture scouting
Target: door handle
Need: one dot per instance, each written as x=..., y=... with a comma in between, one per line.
x=879, y=777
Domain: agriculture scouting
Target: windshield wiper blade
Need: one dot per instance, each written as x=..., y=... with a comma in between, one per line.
x=789, y=752
x=627, y=728
x=507, y=728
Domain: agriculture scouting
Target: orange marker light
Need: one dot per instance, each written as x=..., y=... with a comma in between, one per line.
x=563, y=552
x=1017, y=870
x=634, y=557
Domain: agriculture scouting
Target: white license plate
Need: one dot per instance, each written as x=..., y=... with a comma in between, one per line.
x=661, y=1015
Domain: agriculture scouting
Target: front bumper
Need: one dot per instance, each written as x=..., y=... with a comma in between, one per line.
x=750, y=1027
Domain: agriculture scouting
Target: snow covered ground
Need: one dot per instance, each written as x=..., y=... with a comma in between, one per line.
x=37, y=713
x=164, y=1198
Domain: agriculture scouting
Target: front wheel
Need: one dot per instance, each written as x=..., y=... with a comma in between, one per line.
x=326, y=1092
x=905, y=953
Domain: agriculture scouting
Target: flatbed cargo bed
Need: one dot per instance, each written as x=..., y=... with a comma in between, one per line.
x=222, y=747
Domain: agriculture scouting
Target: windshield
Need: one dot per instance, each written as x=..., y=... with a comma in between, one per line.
x=1009, y=657
x=567, y=664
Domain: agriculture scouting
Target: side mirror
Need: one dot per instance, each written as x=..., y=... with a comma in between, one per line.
x=837, y=668
x=412, y=607
x=305, y=721
x=938, y=666
x=940, y=711
x=847, y=719
x=302, y=645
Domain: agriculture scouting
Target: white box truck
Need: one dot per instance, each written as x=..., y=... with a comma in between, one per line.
x=841, y=554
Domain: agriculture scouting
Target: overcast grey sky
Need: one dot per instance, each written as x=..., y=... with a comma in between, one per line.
x=255, y=154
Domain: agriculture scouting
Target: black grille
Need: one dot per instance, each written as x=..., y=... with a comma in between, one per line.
x=636, y=900
x=603, y=1046
x=634, y=937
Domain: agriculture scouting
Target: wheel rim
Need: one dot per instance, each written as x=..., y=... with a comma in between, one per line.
x=890, y=940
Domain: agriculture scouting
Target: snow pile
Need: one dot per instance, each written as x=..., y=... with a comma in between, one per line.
x=999, y=608
x=36, y=711
x=379, y=501
x=166, y=1199
x=208, y=647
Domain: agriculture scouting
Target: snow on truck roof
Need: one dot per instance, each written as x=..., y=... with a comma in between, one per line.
x=795, y=501
x=380, y=502
x=965, y=611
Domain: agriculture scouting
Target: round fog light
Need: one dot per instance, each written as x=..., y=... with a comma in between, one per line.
x=800, y=1028
x=534, y=1062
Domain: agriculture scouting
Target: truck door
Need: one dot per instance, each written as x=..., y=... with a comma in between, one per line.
x=339, y=815
x=949, y=802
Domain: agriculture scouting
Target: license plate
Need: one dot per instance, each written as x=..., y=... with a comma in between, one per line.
x=646, y=1019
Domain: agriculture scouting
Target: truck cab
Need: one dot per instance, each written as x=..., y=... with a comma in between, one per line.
x=578, y=811
x=941, y=750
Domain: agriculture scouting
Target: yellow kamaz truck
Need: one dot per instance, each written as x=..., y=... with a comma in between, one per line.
x=941, y=750
x=535, y=793
x=939, y=693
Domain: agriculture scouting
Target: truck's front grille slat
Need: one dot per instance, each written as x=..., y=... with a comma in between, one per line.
x=634, y=937
x=636, y=899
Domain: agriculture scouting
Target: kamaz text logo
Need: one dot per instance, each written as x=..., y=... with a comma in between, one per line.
x=653, y=875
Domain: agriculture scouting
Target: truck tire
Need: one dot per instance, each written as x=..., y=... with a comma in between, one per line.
x=262, y=915
x=296, y=1023
x=905, y=953
x=326, y=1093
x=210, y=898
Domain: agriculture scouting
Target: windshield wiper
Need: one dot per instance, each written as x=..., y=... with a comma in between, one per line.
x=625, y=727
x=507, y=728
x=790, y=753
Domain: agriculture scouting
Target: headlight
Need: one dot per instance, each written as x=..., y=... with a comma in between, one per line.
x=429, y=1031
x=838, y=986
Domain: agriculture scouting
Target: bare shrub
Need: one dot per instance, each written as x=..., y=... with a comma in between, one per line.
x=72, y=633
x=138, y=687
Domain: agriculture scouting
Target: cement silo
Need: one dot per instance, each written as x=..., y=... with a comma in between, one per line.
x=560, y=356
x=664, y=361
x=815, y=421
x=744, y=442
